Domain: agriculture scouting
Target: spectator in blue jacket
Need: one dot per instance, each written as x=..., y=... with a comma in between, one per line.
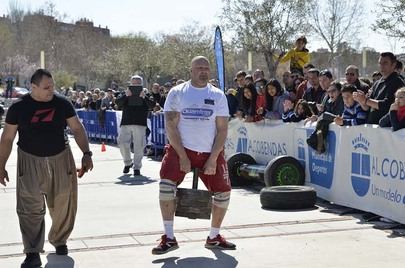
x=353, y=113
x=302, y=111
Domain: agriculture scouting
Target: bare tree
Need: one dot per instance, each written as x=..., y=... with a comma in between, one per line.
x=266, y=27
x=337, y=21
x=391, y=18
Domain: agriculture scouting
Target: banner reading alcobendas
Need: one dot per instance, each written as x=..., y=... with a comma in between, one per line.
x=363, y=166
x=262, y=140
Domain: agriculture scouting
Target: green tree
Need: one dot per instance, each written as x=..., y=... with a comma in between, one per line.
x=266, y=27
x=63, y=79
x=390, y=18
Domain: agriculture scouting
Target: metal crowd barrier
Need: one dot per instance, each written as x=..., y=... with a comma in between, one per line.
x=105, y=127
x=158, y=132
x=99, y=125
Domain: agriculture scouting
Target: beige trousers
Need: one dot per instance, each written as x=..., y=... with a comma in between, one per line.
x=54, y=180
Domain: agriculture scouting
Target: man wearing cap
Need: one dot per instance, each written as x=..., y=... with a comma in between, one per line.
x=133, y=127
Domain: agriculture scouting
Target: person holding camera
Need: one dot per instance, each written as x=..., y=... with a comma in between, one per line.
x=135, y=107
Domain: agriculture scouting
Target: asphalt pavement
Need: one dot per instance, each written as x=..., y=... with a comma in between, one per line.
x=118, y=223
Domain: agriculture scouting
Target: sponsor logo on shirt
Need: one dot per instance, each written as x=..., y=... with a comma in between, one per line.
x=45, y=115
x=197, y=112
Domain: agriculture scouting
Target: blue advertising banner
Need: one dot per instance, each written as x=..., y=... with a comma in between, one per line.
x=219, y=58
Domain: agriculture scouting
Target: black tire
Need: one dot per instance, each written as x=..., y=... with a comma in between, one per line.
x=234, y=163
x=284, y=170
x=288, y=197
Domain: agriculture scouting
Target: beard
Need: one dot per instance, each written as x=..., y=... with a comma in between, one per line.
x=203, y=77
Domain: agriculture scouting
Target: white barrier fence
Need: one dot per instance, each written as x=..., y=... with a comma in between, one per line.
x=363, y=167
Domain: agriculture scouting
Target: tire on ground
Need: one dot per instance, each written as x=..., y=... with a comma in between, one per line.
x=284, y=170
x=288, y=197
x=234, y=163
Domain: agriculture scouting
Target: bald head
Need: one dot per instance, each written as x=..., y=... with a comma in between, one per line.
x=199, y=59
x=200, y=71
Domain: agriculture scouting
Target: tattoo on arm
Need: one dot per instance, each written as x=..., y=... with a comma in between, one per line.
x=172, y=116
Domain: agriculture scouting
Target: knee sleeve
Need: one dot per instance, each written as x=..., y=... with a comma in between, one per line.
x=167, y=190
x=221, y=199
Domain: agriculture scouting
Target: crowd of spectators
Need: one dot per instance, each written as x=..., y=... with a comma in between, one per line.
x=307, y=93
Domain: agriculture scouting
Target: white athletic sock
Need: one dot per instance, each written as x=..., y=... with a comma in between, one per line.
x=214, y=232
x=168, y=225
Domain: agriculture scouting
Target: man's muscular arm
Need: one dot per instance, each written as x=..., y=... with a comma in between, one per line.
x=173, y=135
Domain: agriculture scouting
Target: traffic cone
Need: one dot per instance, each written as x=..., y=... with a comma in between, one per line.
x=103, y=149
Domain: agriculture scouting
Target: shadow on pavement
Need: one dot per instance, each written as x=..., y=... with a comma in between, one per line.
x=131, y=180
x=222, y=260
x=56, y=261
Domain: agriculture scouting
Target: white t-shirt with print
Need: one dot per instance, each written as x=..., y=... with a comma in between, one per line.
x=198, y=108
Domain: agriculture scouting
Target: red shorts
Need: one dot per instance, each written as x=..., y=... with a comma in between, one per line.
x=170, y=169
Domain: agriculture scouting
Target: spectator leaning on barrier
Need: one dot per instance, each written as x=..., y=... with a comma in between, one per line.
x=353, y=113
x=301, y=112
x=275, y=97
x=46, y=170
x=133, y=127
x=333, y=107
x=261, y=98
x=325, y=80
x=396, y=116
x=315, y=94
x=249, y=100
x=383, y=91
x=185, y=151
x=233, y=103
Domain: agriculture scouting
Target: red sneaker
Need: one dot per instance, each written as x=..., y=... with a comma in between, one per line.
x=219, y=242
x=165, y=245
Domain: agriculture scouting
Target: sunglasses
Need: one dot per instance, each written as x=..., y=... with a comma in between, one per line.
x=350, y=74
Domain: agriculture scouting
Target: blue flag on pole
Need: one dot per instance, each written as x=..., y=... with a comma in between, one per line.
x=219, y=58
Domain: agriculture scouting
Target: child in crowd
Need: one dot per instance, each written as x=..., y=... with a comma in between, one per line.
x=298, y=56
x=261, y=99
x=353, y=114
x=275, y=97
x=301, y=112
x=395, y=118
x=249, y=100
x=333, y=107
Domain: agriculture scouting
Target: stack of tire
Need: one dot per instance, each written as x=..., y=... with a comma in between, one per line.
x=284, y=177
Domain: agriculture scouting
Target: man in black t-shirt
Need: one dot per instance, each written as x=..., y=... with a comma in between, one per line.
x=46, y=169
x=383, y=91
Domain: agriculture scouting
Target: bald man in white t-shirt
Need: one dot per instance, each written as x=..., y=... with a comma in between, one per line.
x=196, y=116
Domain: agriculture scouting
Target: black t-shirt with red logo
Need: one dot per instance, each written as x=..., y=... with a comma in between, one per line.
x=41, y=125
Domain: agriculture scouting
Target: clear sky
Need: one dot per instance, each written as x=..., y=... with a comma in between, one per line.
x=168, y=16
